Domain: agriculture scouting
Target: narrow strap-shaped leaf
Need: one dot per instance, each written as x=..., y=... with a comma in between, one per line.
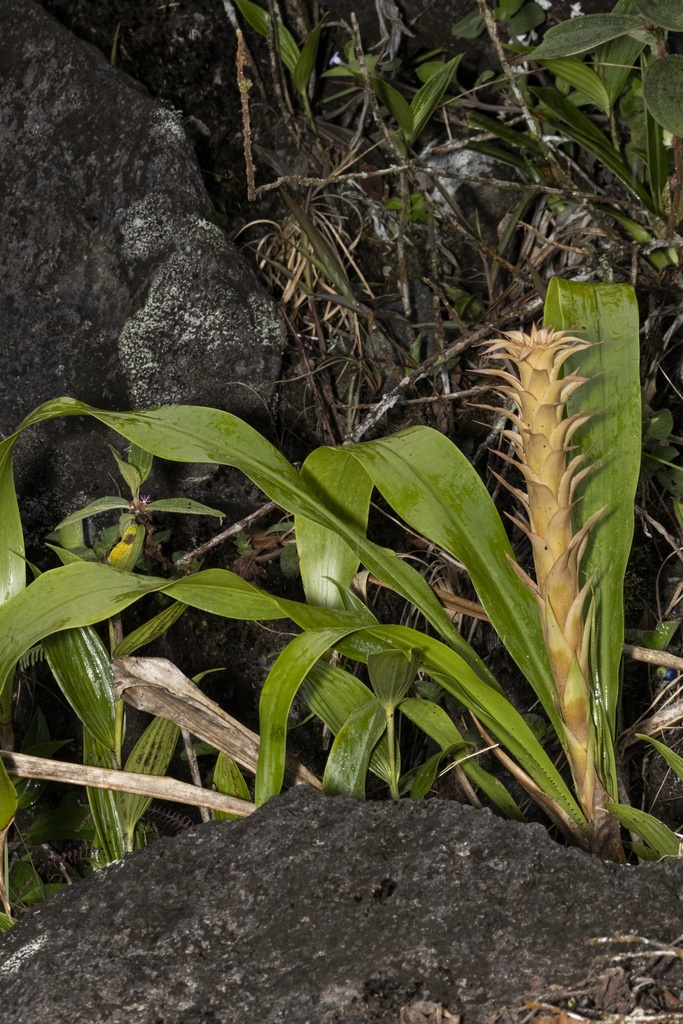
x=431, y=485
x=611, y=439
x=436, y=724
x=81, y=665
x=279, y=690
x=348, y=761
x=151, y=755
x=656, y=834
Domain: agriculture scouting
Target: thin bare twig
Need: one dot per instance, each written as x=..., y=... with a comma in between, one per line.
x=433, y=362
x=230, y=532
x=244, y=84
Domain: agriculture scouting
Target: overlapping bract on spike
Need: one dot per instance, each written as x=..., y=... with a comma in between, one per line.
x=543, y=453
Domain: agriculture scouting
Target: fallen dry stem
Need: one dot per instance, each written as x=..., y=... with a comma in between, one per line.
x=159, y=787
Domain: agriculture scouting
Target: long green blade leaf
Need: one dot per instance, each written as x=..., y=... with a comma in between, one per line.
x=608, y=316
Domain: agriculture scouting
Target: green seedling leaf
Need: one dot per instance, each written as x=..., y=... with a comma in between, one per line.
x=142, y=461
x=82, y=668
x=469, y=27
x=283, y=681
x=185, y=506
x=580, y=35
x=68, y=822
x=333, y=694
x=395, y=103
x=436, y=724
x=129, y=472
x=581, y=77
x=305, y=65
x=150, y=630
x=151, y=755
x=93, y=509
x=530, y=17
x=660, y=425
x=674, y=760
x=507, y=9
x=228, y=779
x=583, y=130
x=324, y=556
x=663, y=92
x=665, y=13
x=658, y=837
x=428, y=98
x=349, y=759
x=658, y=639
x=425, y=776
x=392, y=674
x=104, y=803
x=260, y=21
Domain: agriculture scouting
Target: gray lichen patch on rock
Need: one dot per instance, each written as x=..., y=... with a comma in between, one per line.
x=117, y=288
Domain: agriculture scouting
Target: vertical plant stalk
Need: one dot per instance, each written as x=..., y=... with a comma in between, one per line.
x=542, y=452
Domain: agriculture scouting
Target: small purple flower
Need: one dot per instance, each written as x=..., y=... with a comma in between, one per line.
x=144, y=499
x=335, y=59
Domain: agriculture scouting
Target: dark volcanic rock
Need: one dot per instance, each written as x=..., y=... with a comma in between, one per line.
x=318, y=910
x=117, y=286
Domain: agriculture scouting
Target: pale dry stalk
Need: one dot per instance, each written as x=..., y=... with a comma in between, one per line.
x=543, y=453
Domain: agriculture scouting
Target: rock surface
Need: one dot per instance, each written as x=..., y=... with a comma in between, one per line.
x=326, y=910
x=117, y=286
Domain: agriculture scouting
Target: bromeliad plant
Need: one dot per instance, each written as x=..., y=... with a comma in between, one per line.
x=577, y=445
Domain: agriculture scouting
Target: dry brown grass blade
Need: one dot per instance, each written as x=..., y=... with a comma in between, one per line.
x=158, y=787
x=155, y=685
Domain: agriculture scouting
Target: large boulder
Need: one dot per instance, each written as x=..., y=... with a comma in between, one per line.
x=118, y=287
x=322, y=911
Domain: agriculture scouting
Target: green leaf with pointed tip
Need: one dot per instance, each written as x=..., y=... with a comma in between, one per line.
x=663, y=92
x=228, y=779
x=12, y=565
x=324, y=555
x=665, y=13
x=655, y=833
x=608, y=316
x=674, y=760
x=70, y=821
x=349, y=758
x=395, y=103
x=583, y=78
x=106, y=504
x=80, y=664
x=580, y=35
x=585, y=132
x=150, y=630
x=142, y=461
x=428, y=98
x=469, y=27
x=434, y=721
x=392, y=674
x=104, y=803
x=130, y=474
x=279, y=690
x=305, y=65
x=260, y=21
x=615, y=60
x=433, y=486
x=151, y=755
x=185, y=506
